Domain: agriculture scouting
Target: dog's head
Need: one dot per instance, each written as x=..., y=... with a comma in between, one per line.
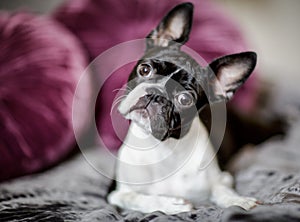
x=167, y=87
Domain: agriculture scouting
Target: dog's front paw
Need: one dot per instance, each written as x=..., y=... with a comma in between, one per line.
x=173, y=205
x=225, y=196
x=246, y=203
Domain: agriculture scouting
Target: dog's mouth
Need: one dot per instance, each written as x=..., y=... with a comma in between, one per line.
x=141, y=118
x=151, y=116
x=139, y=114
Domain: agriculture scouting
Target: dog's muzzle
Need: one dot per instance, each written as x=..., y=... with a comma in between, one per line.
x=152, y=112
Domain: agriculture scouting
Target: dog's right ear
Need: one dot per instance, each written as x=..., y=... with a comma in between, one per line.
x=174, y=27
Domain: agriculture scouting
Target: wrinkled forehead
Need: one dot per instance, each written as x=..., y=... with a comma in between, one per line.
x=177, y=58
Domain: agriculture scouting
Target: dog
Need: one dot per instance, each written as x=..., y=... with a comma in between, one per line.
x=159, y=167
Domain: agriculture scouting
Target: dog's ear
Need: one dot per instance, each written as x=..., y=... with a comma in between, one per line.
x=230, y=72
x=174, y=27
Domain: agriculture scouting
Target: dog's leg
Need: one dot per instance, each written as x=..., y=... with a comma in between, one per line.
x=148, y=203
x=224, y=196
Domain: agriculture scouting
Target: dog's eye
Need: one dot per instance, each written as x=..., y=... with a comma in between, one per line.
x=185, y=99
x=145, y=70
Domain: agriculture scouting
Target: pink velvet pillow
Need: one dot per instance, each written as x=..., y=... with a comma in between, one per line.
x=101, y=24
x=40, y=64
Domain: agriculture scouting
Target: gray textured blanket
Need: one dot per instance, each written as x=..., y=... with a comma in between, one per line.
x=74, y=191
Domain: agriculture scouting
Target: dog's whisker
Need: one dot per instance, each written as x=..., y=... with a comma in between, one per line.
x=120, y=89
x=117, y=101
x=123, y=88
x=119, y=98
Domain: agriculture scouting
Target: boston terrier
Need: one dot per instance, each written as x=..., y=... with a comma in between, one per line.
x=160, y=163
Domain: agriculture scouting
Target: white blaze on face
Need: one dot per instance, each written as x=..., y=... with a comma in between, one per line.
x=138, y=92
x=132, y=98
x=139, y=116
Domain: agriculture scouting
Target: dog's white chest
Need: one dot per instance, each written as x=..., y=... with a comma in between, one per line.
x=170, y=167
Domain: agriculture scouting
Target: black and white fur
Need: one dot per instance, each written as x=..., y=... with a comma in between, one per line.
x=166, y=90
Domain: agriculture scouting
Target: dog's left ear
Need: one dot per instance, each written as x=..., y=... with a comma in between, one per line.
x=230, y=72
x=174, y=27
